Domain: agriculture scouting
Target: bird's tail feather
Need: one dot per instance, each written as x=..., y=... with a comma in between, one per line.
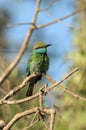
x=30, y=90
x=31, y=85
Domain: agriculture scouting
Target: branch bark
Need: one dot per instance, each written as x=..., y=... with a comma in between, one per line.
x=60, y=19
x=17, y=88
x=46, y=90
x=52, y=118
x=23, y=47
x=49, y=23
x=65, y=90
x=51, y=111
x=29, y=112
x=18, y=116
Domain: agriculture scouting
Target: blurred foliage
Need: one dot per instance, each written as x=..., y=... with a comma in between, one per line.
x=4, y=18
x=74, y=118
x=70, y=112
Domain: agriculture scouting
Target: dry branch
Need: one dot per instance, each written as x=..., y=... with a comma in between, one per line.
x=26, y=128
x=29, y=112
x=33, y=121
x=50, y=23
x=62, y=18
x=41, y=118
x=62, y=88
x=37, y=110
x=39, y=94
x=51, y=4
x=18, y=116
x=52, y=119
x=23, y=47
x=40, y=109
x=17, y=88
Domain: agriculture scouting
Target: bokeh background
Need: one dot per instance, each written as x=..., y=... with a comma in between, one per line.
x=68, y=51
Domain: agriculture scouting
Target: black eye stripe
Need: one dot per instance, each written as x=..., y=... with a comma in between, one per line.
x=40, y=47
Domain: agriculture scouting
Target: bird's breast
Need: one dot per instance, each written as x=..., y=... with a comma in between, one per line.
x=39, y=64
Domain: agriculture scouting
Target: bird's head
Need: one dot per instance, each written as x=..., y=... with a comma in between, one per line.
x=41, y=47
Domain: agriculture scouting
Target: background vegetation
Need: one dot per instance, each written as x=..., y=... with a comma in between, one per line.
x=71, y=113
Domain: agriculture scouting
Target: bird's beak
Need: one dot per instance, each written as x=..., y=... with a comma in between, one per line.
x=48, y=45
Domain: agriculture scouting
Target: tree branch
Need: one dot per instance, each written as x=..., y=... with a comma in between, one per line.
x=50, y=23
x=52, y=118
x=18, y=116
x=40, y=109
x=46, y=90
x=56, y=84
x=29, y=112
x=60, y=19
x=23, y=47
x=17, y=88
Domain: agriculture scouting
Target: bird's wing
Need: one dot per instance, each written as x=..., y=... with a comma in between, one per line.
x=28, y=66
x=46, y=65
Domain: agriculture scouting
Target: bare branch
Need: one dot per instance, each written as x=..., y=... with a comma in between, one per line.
x=28, y=112
x=52, y=118
x=31, y=125
x=40, y=98
x=44, y=122
x=10, y=102
x=34, y=118
x=60, y=19
x=18, y=116
x=67, y=76
x=40, y=109
x=18, y=24
x=50, y=23
x=32, y=121
x=23, y=47
x=50, y=5
x=64, y=23
x=46, y=90
x=62, y=88
x=16, y=89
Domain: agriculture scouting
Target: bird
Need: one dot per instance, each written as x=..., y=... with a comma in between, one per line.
x=37, y=63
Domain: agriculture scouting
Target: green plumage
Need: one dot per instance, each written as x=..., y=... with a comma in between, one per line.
x=38, y=62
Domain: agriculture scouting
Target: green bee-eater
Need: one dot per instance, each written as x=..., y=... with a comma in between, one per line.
x=38, y=63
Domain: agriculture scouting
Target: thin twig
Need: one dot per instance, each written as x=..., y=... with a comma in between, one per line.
x=11, y=102
x=41, y=98
x=25, y=113
x=32, y=121
x=50, y=5
x=23, y=47
x=64, y=23
x=62, y=18
x=56, y=84
x=17, y=88
x=52, y=22
x=31, y=125
x=19, y=24
x=47, y=111
x=43, y=122
x=18, y=116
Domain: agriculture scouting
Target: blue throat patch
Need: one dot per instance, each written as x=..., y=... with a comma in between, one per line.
x=40, y=50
